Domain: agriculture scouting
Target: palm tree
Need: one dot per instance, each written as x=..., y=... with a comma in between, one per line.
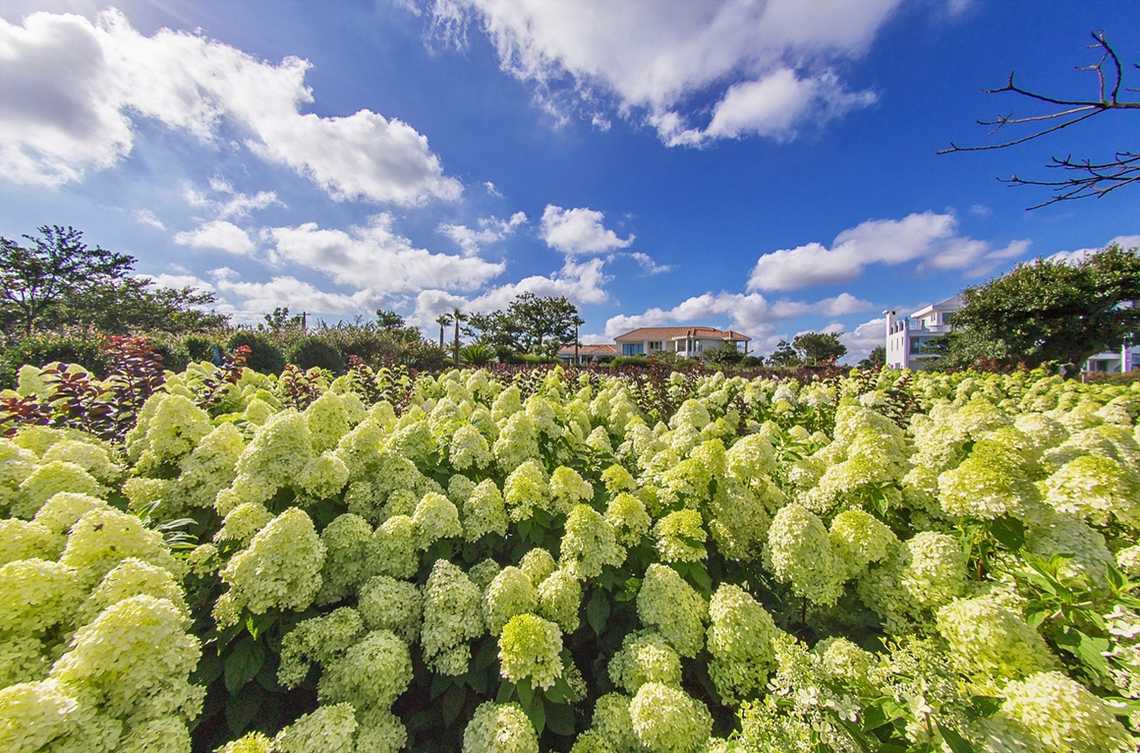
x=442, y=320
x=578, y=322
x=456, y=317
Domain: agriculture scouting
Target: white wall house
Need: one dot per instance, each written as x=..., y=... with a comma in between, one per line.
x=909, y=338
x=685, y=342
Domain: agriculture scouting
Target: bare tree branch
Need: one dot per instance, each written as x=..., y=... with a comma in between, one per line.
x=1096, y=179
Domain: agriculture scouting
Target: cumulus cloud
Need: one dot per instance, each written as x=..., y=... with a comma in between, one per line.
x=648, y=264
x=74, y=88
x=581, y=282
x=579, y=231
x=489, y=230
x=929, y=237
x=657, y=56
x=490, y=187
x=1078, y=255
x=252, y=299
x=864, y=338
x=149, y=218
x=750, y=313
x=773, y=107
x=217, y=234
x=375, y=257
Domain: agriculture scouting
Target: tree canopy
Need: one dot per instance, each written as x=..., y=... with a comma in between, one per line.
x=529, y=324
x=818, y=348
x=54, y=278
x=1050, y=311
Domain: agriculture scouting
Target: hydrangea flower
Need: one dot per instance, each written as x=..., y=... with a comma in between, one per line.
x=680, y=537
x=671, y=606
x=989, y=484
x=740, y=640
x=317, y=639
x=921, y=574
x=372, y=673
x=242, y=523
x=281, y=567
x=537, y=564
x=617, y=479
x=379, y=731
x=452, y=617
x=530, y=649
x=349, y=548
x=991, y=643
x=666, y=720
x=484, y=512
x=559, y=597
x=589, y=544
x=526, y=490
x=611, y=720
x=568, y=488
x=1096, y=488
x=132, y=577
x=499, y=728
x=799, y=553
x=469, y=449
x=37, y=596
x=644, y=657
x=510, y=593
x=859, y=539
x=102, y=538
x=1058, y=715
x=395, y=551
x=47, y=480
x=329, y=729
x=23, y=539
x=389, y=604
x=436, y=518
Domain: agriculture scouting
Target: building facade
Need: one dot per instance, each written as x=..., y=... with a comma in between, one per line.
x=684, y=342
x=912, y=341
x=587, y=355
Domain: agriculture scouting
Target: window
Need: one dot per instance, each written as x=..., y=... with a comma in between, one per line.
x=654, y=345
x=633, y=349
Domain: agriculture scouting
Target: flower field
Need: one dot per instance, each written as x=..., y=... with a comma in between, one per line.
x=543, y=560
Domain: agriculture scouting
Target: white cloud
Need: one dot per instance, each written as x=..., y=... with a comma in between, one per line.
x=1080, y=254
x=490, y=230
x=217, y=234
x=582, y=283
x=375, y=257
x=926, y=236
x=592, y=338
x=179, y=281
x=73, y=88
x=228, y=203
x=489, y=186
x=659, y=55
x=648, y=264
x=252, y=299
x=579, y=231
x=773, y=107
x=750, y=313
x=863, y=339
x=147, y=217
x=980, y=210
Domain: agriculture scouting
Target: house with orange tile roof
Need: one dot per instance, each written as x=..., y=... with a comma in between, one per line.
x=586, y=354
x=684, y=342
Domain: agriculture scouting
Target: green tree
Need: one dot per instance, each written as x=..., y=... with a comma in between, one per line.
x=389, y=319
x=543, y=322
x=1049, y=311
x=136, y=303
x=42, y=275
x=877, y=358
x=784, y=355
x=816, y=348
x=442, y=320
x=280, y=319
x=726, y=354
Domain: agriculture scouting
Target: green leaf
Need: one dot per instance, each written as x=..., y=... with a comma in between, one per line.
x=452, y=704
x=560, y=719
x=628, y=590
x=1009, y=531
x=956, y=742
x=209, y=669
x=526, y=694
x=242, y=708
x=487, y=655
x=536, y=712
x=559, y=692
x=243, y=663
x=439, y=683
x=598, y=611
x=506, y=692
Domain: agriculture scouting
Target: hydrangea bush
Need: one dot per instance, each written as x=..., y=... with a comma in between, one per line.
x=544, y=560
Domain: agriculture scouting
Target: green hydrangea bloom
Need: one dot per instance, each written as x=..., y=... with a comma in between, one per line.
x=559, y=598
x=132, y=577
x=617, y=479
x=859, y=539
x=537, y=564
x=452, y=617
x=372, y=673
x=23, y=539
x=379, y=731
x=104, y=537
x=242, y=523
x=37, y=596
x=510, y=593
x=349, y=550
x=526, y=490
x=740, y=640
x=680, y=537
x=317, y=639
x=499, y=728
x=389, y=604
x=49, y=479
x=436, y=518
x=589, y=544
x=329, y=729
x=568, y=488
x=629, y=518
x=1058, y=715
x=666, y=720
x=920, y=575
x=611, y=720
x=1096, y=488
x=530, y=649
x=799, y=552
x=469, y=449
x=644, y=657
x=395, y=552
x=671, y=606
x=991, y=643
x=281, y=567
x=484, y=512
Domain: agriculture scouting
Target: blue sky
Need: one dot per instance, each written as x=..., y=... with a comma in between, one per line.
x=766, y=166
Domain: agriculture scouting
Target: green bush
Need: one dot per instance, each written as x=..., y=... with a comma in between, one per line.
x=315, y=350
x=629, y=361
x=83, y=348
x=264, y=355
x=534, y=359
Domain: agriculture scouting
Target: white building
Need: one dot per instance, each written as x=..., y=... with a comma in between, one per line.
x=686, y=342
x=910, y=338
